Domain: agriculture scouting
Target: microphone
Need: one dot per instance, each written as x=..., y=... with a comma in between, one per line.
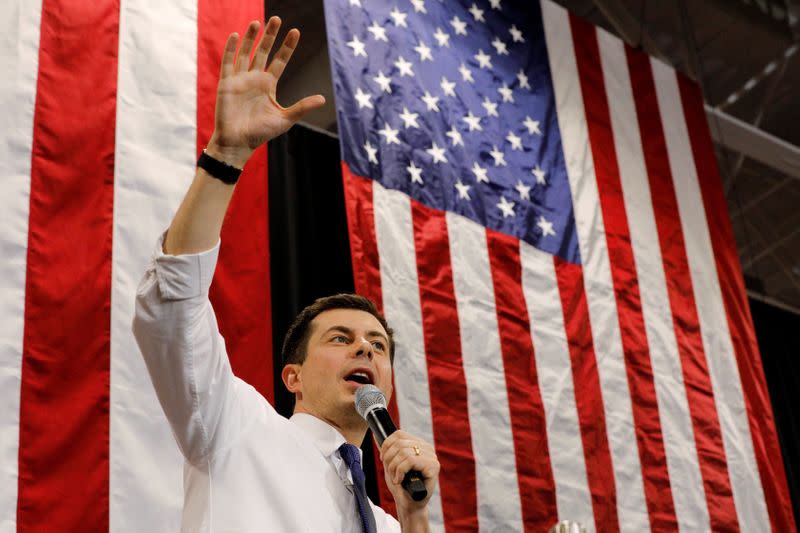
x=371, y=405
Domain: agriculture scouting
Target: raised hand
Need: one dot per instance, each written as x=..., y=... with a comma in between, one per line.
x=248, y=113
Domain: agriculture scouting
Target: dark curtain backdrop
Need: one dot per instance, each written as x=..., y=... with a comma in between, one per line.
x=778, y=334
x=310, y=257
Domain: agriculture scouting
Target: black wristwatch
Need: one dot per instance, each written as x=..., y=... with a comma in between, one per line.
x=218, y=169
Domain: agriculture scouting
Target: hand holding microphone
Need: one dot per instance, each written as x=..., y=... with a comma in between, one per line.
x=404, y=455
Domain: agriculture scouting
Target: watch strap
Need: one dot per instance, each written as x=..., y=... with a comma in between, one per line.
x=219, y=169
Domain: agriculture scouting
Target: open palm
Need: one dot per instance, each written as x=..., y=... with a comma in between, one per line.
x=248, y=113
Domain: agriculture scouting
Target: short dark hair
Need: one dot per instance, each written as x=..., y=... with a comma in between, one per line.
x=295, y=344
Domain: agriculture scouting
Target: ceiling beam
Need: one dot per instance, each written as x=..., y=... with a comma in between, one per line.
x=726, y=130
x=755, y=143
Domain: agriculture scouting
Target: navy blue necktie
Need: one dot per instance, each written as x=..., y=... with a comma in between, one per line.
x=352, y=459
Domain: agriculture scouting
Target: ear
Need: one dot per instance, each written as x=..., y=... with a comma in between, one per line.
x=291, y=378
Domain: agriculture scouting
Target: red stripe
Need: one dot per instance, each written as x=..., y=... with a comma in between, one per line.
x=588, y=396
x=363, y=242
x=448, y=385
x=528, y=425
x=740, y=323
x=64, y=398
x=367, y=278
x=241, y=289
x=652, y=455
x=699, y=392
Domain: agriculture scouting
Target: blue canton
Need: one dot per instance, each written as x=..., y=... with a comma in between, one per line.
x=452, y=103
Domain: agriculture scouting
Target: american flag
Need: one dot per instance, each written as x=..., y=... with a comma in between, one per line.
x=537, y=209
x=105, y=105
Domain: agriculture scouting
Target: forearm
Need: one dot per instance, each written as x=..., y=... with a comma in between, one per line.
x=198, y=221
x=416, y=522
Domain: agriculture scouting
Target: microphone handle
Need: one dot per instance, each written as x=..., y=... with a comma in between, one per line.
x=382, y=426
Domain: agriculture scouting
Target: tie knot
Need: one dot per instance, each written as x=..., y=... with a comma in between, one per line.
x=350, y=455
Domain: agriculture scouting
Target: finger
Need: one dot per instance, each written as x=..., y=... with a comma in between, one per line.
x=228, y=55
x=265, y=45
x=301, y=108
x=243, y=59
x=391, y=448
x=283, y=55
x=400, y=468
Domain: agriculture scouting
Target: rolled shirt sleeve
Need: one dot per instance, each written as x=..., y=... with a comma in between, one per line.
x=176, y=329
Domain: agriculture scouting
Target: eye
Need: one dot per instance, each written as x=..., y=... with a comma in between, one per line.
x=340, y=338
x=378, y=345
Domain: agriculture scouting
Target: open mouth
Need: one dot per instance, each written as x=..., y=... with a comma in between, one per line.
x=360, y=377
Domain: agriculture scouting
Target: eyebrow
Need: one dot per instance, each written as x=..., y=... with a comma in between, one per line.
x=351, y=332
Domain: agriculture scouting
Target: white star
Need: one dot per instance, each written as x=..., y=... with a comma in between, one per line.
x=455, y=136
x=506, y=207
x=495, y=4
x=500, y=46
x=378, y=32
x=523, y=80
x=449, y=87
x=466, y=74
x=431, y=102
x=363, y=99
x=436, y=153
x=358, y=47
x=389, y=134
x=371, y=152
x=355, y=3
x=477, y=14
x=480, y=173
x=404, y=67
x=409, y=119
x=442, y=38
x=473, y=122
x=524, y=191
x=383, y=81
x=546, y=227
x=399, y=17
x=532, y=125
x=423, y=51
x=516, y=35
x=506, y=93
x=459, y=26
x=419, y=6
x=490, y=107
x=463, y=190
x=416, y=173
x=484, y=60
x=499, y=157
x=516, y=142
x=539, y=173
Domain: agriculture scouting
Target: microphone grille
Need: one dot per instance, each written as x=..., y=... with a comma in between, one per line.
x=368, y=397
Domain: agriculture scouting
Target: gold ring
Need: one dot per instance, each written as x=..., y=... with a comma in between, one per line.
x=416, y=449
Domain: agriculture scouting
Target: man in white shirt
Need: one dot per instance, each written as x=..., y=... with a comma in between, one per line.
x=248, y=468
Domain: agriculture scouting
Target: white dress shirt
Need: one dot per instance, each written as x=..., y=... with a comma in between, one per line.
x=247, y=468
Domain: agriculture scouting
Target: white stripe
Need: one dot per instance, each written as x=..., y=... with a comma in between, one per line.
x=748, y=493
x=499, y=506
x=631, y=507
x=554, y=371
x=19, y=62
x=155, y=159
x=400, y=291
x=673, y=407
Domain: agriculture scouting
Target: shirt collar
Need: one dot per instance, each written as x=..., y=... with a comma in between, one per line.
x=324, y=436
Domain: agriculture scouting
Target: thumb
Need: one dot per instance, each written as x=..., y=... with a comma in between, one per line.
x=304, y=106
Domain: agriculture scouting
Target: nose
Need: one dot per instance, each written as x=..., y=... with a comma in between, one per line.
x=364, y=348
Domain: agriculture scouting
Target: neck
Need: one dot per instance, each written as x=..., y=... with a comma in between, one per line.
x=352, y=427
